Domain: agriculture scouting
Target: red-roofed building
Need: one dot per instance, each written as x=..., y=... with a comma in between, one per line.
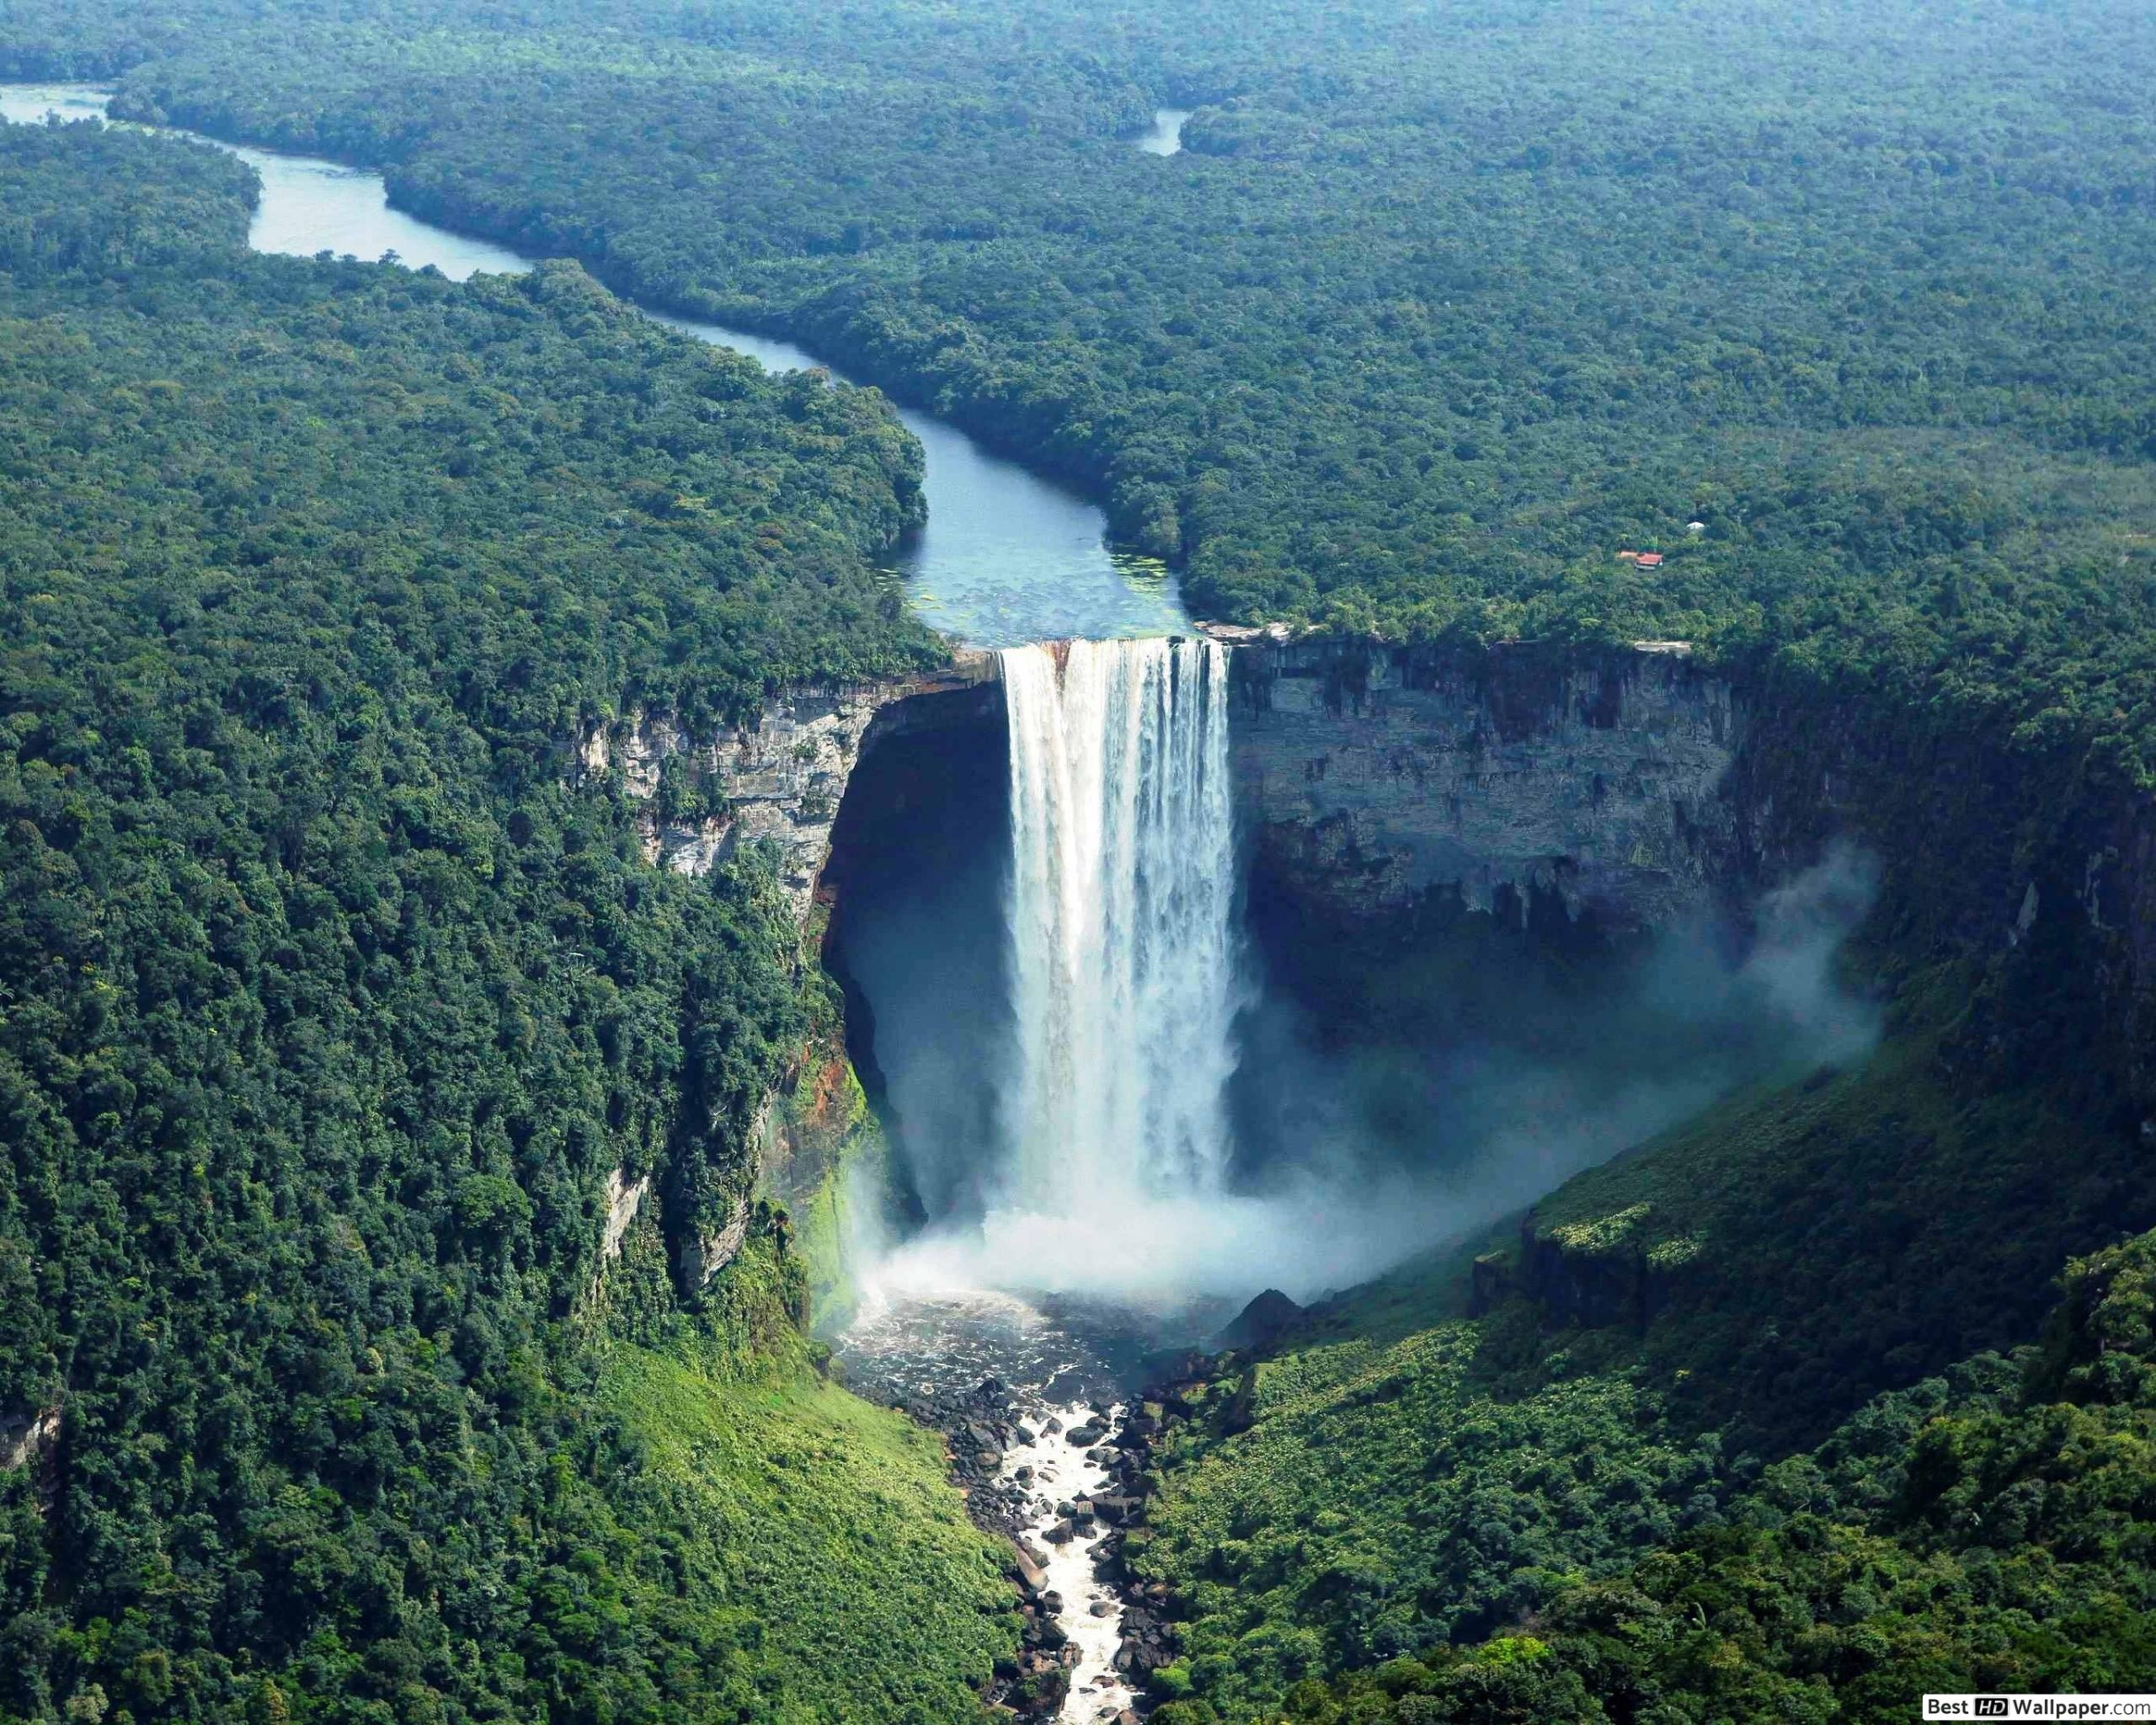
x=1649, y=559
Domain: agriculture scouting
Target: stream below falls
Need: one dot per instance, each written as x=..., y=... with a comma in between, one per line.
x=1039, y=1402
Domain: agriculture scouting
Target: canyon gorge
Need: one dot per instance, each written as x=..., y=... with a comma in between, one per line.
x=682, y=1042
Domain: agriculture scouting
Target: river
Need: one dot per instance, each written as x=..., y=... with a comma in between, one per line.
x=1006, y=556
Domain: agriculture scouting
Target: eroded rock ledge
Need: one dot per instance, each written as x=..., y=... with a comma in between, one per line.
x=1633, y=781
x=1371, y=775
x=780, y=779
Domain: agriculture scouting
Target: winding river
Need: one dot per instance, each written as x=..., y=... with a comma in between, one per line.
x=1006, y=556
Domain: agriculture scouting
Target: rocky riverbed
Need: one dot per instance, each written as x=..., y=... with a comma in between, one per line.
x=1049, y=1430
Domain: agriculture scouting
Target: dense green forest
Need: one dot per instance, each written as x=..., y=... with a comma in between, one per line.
x=329, y=1005
x=1988, y=1529
x=1765, y=1420
x=327, y=1001
x=1443, y=304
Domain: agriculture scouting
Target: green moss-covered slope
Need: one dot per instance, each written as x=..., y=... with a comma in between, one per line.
x=823, y=1526
x=1678, y=1358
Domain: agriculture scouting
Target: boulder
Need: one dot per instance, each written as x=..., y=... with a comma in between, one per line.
x=1261, y=1323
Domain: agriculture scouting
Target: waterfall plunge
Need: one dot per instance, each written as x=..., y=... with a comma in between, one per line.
x=1120, y=917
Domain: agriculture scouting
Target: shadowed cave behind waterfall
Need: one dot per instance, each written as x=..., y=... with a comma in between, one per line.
x=919, y=863
x=1394, y=1085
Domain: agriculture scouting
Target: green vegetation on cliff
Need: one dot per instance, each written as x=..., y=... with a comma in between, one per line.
x=1692, y=1454
x=1987, y=1530
x=828, y=1525
x=330, y=997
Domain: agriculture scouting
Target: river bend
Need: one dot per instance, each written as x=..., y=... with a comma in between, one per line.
x=1005, y=557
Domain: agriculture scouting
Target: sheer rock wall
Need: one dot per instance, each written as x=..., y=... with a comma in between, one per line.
x=780, y=779
x=1369, y=776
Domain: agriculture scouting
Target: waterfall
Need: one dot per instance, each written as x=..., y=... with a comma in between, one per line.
x=1122, y=948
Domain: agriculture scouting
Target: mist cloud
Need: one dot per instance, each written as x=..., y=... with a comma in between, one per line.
x=1372, y=1159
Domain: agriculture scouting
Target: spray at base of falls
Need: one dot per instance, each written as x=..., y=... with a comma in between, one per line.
x=1125, y=985
x=1126, y=977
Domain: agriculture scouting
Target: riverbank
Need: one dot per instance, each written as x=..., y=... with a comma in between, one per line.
x=1066, y=1485
x=1049, y=1412
x=1003, y=556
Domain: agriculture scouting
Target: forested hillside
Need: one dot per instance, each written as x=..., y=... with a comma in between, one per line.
x=327, y=1004
x=1765, y=1420
x=330, y=1006
x=1443, y=304
x=1986, y=1529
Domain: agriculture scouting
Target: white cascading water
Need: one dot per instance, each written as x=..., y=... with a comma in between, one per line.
x=1122, y=943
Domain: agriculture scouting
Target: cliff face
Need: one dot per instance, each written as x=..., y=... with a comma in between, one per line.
x=1632, y=783
x=1628, y=786
x=2044, y=867
x=779, y=780
x=1370, y=776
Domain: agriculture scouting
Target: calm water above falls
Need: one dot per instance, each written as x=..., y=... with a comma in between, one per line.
x=1006, y=556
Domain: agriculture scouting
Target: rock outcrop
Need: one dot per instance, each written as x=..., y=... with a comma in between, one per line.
x=32, y=1440
x=1372, y=774
x=624, y=1198
x=1615, y=1270
x=779, y=779
x=707, y=1254
x=1259, y=1324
